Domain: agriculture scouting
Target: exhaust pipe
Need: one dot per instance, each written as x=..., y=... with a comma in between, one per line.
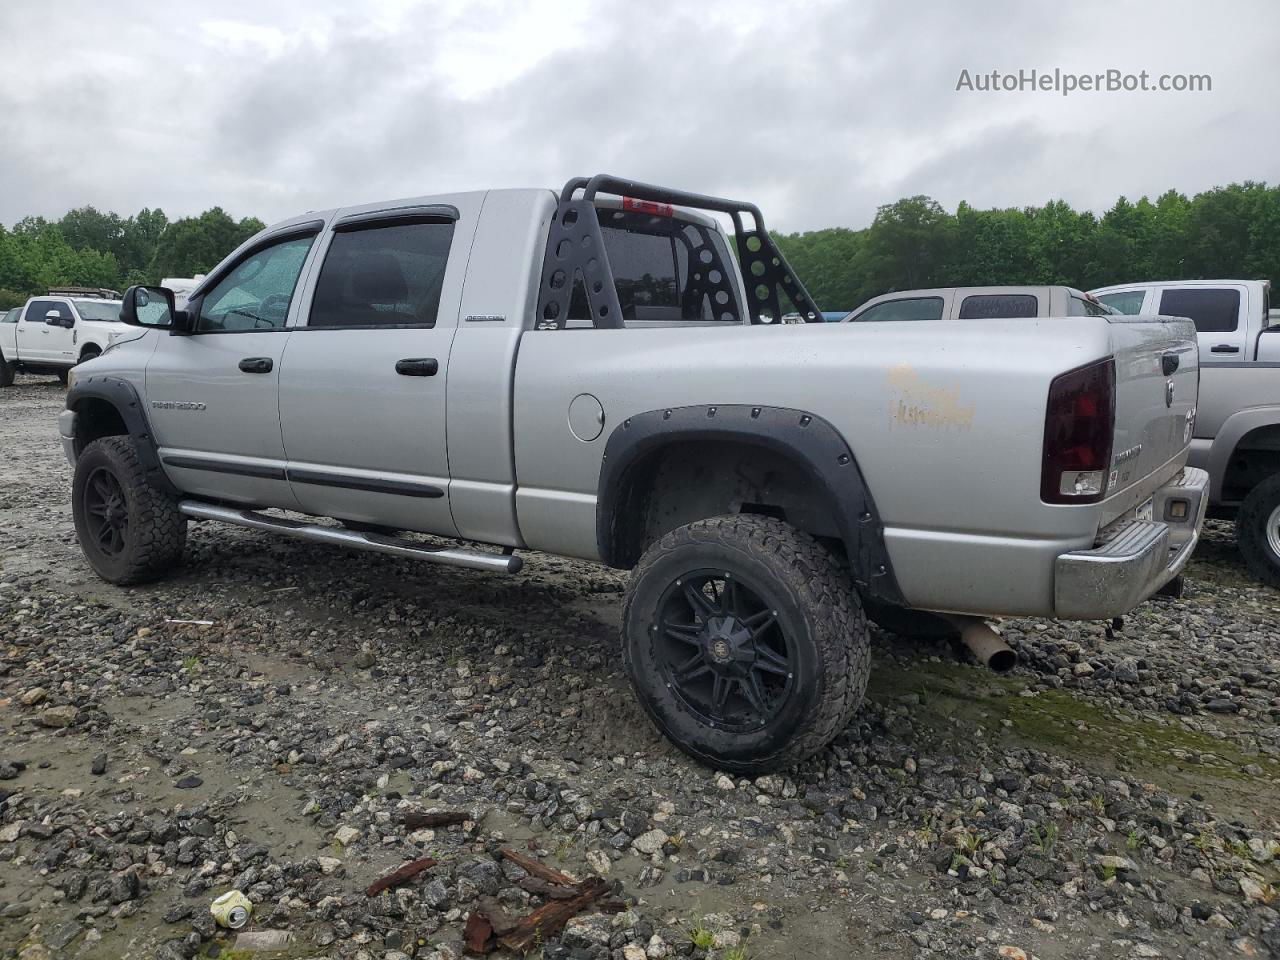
x=985, y=644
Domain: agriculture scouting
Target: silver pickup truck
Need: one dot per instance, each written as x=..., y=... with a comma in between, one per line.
x=596, y=374
x=1237, y=436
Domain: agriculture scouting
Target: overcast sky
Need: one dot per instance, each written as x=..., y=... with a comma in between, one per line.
x=819, y=111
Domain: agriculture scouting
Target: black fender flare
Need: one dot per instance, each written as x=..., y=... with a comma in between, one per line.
x=804, y=438
x=123, y=396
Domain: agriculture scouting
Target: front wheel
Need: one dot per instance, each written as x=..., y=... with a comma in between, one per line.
x=6, y=373
x=1258, y=530
x=745, y=641
x=129, y=531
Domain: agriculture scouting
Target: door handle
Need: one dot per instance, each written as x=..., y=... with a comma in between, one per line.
x=256, y=364
x=1169, y=363
x=417, y=367
x=1224, y=348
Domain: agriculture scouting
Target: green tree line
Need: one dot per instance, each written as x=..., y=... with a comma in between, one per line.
x=89, y=248
x=1231, y=231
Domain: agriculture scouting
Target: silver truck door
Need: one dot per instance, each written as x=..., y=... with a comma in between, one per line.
x=213, y=394
x=362, y=386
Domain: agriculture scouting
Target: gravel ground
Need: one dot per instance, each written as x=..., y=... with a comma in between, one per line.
x=1117, y=796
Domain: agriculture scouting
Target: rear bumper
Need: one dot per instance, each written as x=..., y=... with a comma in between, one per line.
x=1134, y=558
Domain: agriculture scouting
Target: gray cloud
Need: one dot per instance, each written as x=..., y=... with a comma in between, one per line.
x=819, y=111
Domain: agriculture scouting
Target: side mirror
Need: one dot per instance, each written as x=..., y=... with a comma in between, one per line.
x=148, y=307
x=54, y=319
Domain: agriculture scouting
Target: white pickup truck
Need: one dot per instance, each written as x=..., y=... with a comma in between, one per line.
x=590, y=374
x=1237, y=435
x=51, y=334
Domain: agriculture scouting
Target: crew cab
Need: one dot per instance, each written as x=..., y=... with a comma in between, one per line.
x=1237, y=434
x=979, y=303
x=595, y=374
x=52, y=333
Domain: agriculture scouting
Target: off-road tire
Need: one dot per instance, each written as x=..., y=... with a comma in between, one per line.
x=6, y=373
x=1256, y=512
x=818, y=608
x=156, y=533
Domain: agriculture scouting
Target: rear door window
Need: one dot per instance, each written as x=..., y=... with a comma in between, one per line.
x=383, y=276
x=666, y=271
x=1128, y=302
x=908, y=308
x=1212, y=309
x=999, y=306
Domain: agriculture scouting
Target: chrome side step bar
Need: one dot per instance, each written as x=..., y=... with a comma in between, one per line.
x=339, y=536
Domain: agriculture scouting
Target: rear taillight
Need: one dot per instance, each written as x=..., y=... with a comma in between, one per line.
x=1079, y=424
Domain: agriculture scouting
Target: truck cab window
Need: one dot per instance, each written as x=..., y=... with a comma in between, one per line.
x=1211, y=310
x=1000, y=306
x=257, y=292
x=383, y=276
x=907, y=308
x=665, y=270
x=1127, y=301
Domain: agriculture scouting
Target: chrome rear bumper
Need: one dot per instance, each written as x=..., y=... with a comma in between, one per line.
x=1134, y=558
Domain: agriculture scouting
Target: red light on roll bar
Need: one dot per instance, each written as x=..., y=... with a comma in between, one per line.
x=648, y=206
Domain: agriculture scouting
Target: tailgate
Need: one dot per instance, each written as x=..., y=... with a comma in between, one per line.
x=1157, y=380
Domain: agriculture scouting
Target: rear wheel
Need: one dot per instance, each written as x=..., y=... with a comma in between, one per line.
x=745, y=642
x=1258, y=530
x=6, y=373
x=129, y=531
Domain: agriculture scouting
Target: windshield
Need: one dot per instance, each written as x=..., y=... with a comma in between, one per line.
x=99, y=309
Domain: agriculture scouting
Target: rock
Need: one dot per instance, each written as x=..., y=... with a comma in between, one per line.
x=58, y=717
x=724, y=782
x=99, y=765
x=587, y=931
x=1251, y=889
x=346, y=835
x=189, y=782
x=650, y=843
x=1010, y=952
x=33, y=696
x=364, y=660
x=599, y=862
x=60, y=937
x=328, y=864
x=254, y=941
x=435, y=895
x=633, y=951
x=34, y=951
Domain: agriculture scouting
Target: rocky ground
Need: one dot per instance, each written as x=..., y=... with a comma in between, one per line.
x=264, y=719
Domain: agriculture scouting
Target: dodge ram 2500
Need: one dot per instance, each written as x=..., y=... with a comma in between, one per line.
x=596, y=374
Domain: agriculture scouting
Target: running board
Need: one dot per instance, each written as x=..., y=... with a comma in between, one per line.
x=376, y=542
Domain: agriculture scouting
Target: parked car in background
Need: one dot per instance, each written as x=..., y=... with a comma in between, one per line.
x=978, y=303
x=52, y=333
x=1237, y=431
x=586, y=374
